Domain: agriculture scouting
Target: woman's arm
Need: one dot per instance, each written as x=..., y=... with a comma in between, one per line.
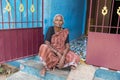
x=62, y=60
x=49, y=34
x=66, y=49
x=54, y=50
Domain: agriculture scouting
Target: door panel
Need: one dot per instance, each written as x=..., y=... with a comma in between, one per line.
x=103, y=37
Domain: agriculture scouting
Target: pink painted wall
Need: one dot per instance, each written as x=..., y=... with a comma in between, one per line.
x=104, y=50
x=19, y=43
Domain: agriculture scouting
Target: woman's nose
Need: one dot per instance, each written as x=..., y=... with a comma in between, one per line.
x=58, y=22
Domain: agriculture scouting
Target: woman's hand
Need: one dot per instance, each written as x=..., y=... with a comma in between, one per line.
x=62, y=59
x=54, y=50
x=59, y=55
x=61, y=62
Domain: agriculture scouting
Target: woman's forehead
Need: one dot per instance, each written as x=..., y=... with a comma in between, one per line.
x=58, y=17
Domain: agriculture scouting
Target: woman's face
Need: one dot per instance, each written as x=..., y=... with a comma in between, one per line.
x=58, y=21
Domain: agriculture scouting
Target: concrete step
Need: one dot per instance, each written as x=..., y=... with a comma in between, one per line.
x=22, y=76
x=16, y=63
x=34, y=67
x=103, y=74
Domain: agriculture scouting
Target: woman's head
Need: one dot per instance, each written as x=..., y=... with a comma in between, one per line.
x=58, y=20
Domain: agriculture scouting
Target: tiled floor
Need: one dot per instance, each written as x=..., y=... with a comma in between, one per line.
x=90, y=72
x=22, y=76
x=83, y=72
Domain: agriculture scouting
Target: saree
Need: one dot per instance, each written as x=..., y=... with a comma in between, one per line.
x=50, y=59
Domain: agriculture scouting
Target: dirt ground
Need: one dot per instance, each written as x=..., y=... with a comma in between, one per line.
x=2, y=77
x=7, y=70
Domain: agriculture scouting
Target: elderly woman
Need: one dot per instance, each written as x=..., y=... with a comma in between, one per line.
x=56, y=50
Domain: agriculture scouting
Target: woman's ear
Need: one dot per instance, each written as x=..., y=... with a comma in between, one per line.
x=62, y=23
x=53, y=22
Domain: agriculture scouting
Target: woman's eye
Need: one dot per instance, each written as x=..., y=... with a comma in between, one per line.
x=58, y=20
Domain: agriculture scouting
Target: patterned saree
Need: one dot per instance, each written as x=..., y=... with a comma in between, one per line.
x=50, y=59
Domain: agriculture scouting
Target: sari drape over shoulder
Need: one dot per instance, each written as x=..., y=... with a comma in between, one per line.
x=50, y=59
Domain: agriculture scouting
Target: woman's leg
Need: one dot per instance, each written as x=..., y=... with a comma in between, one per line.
x=48, y=58
x=43, y=53
x=43, y=71
x=72, y=60
x=72, y=67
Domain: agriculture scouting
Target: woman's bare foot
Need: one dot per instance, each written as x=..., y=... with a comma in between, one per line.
x=43, y=71
x=73, y=67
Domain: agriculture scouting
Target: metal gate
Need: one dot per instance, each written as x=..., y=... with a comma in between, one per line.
x=103, y=47
x=21, y=28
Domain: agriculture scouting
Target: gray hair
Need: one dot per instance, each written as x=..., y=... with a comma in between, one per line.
x=58, y=15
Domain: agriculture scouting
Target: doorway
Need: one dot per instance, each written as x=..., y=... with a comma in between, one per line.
x=104, y=34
